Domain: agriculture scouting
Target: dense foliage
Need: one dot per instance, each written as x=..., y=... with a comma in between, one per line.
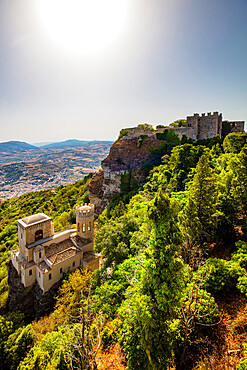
x=171, y=250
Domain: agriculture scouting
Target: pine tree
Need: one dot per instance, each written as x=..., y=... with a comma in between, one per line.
x=150, y=329
x=197, y=220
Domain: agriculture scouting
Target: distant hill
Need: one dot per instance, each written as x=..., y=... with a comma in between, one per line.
x=42, y=143
x=73, y=143
x=16, y=146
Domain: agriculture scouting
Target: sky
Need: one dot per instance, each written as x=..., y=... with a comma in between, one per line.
x=67, y=71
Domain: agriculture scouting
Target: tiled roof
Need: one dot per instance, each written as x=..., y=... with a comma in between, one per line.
x=25, y=264
x=62, y=251
x=64, y=255
x=90, y=255
x=81, y=242
x=58, y=247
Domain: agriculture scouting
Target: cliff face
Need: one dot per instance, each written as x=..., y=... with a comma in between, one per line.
x=126, y=155
x=31, y=301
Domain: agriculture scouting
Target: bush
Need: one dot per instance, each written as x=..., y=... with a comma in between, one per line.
x=140, y=141
x=123, y=132
x=224, y=276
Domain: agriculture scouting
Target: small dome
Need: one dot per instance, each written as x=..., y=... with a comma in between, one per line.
x=35, y=218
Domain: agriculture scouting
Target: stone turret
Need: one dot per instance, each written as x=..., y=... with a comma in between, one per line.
x=204, y=126
x=85, y=221
x=30, y=230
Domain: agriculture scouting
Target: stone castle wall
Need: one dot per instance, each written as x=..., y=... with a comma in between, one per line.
x=197, y=127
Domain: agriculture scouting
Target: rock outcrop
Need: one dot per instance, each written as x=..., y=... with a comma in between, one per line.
x=127, y=155
x=31, y=301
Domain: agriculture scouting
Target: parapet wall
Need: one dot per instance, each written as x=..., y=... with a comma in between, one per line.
x=237, y=126
x=135, y=132
x=85, y=210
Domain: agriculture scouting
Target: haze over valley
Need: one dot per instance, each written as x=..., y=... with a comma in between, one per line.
x=25, y=168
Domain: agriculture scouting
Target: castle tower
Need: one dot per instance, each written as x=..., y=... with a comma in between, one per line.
x=85, y=221
x=31, y=230
x=192, y=126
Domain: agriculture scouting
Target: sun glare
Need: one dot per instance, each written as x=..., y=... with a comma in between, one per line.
x=83, y=26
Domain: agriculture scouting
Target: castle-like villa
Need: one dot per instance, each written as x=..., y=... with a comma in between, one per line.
x=43, y=256
x=197, y=127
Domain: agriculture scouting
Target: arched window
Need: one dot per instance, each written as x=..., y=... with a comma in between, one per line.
x=38, y=235
x=83, y=228
x=89, y=226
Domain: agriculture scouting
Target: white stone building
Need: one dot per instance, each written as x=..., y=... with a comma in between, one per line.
x=43, y=256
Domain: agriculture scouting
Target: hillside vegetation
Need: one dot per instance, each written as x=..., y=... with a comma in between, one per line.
x=58, y=204
x=172, y=292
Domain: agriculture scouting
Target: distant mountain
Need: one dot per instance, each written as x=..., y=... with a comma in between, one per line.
x=73, y=143
x=16, y=146
x=42, y=143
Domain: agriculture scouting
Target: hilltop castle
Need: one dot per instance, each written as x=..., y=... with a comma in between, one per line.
x=43, y=256
x=197, y=127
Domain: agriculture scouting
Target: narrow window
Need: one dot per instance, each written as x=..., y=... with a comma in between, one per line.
x=39, y=254
x=49, y=276
x=30, y=272
x=83, y=228
x=74, y=264
x=78, y=227
x=89, y=226
x=61, y=270
x=38, y=235
x=21, y=236
x=39, y=274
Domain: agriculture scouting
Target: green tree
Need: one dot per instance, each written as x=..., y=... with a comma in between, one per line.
x=197, y=219
x=239, y=182
x=234, y=142
x=48, y=354
x=146, y=127
x=179, y=123
x=8, y=325
x=153, y=306
x=113, y=239
x=18, y=345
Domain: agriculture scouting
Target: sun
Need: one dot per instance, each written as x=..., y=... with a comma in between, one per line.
x=83, y=26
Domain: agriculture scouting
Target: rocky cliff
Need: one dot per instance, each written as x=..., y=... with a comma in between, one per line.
x=127, y=155
x=31, y=301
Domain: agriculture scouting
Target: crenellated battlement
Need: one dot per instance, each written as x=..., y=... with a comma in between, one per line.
x=85, y=210
x=198, y=127
x=85, y=220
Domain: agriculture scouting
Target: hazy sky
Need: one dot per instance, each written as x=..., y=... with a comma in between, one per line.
x=169, y=59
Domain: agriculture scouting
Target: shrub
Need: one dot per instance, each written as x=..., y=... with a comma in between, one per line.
x=123, y=132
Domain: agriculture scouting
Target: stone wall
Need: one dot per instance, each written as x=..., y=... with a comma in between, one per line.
x=209, y=126
x=237, y=126
x=204, y=126
x=31, y=301
x=136, y=132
